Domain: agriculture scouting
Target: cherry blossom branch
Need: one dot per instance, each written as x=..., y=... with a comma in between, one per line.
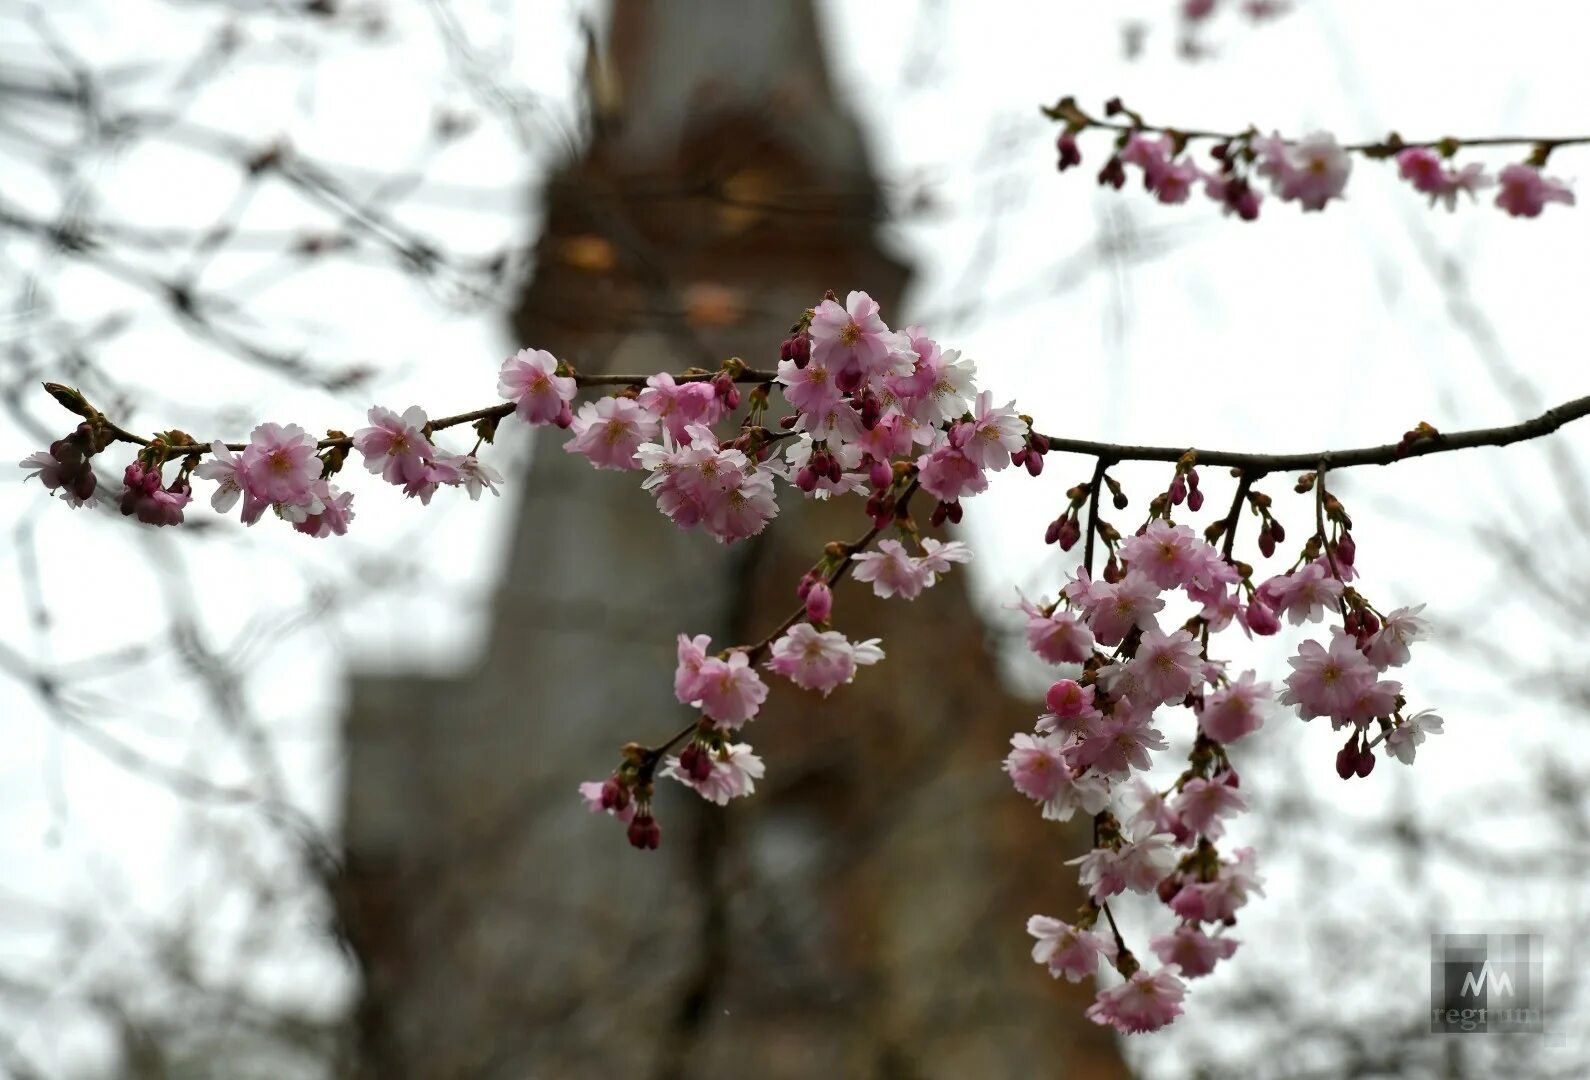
x=1077, y=120
x=1311, y=170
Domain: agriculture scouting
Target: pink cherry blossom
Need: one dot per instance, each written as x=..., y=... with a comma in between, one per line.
x=1168, y=555
x=1304, y=594
x=279, y=464
x=679, y=406
x=1426, y=171
x=1525, y=192
x=1117, y=744
x=809, y=389
x=540, y=395
x=728, y=691
x=735, y=770
x=395, y=447
x=1145, y=1002
x=1166, y=665
x=1066, y=950
x=474, y=475
x=1114, y=609
x=993, y=434
x=1234, y=711
x=609, y=431
x=1139, y=864
x=937, y=556
x=1058, y=637
x=336, y=510
x=692, y=653
x=950, y=380
x=1404, y=740
x=820, y=660
x=1152, y=811
x=222, y=467
x=1311, y=171
x=853, y=343
x=1037, y=770
x=1220, y=899
x=891, y=570
x=948, y=474
x=1327, y=682
x=1388, y=648
x=1202, y=804
x=1192, y=951
x=65, y=469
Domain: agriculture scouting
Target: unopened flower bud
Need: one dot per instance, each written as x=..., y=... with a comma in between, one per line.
x=1051, y=535
x=615, y=796
x=1070, y=153
x=1113, y=174
x=1038, y=444
x=940, y=515
x=1195, y=500
x=806, y=479
x=644, y=832
x=1262, y=619
x=819, y=602
x=797, y=348
x=849, y=379
x=1347, y=761
x=1346, y=550
x=1034, y=464
x=1266, y=542
x=1277, y=531
x=871, y=410
x=881, y=474
x=1178, y=490
x=1069, y=533
x=955, y=512
x=1366, y=762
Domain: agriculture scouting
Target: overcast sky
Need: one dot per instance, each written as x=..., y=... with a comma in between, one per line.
x=1296, y=333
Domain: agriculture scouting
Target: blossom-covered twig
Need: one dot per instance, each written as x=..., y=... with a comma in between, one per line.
x=1311, y=170
x=887, y=415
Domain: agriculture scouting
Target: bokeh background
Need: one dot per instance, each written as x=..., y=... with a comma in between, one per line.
x=279, y=807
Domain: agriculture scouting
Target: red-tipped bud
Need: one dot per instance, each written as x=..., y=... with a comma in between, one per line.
x=1019, y=457
x=723, y=386
x=1070, y=153
x=1113, y=174
x=955, y=512
x=1038, y=444
x=819, y=602
x=1034, y=464
x=1178, y=491
x=1347, y=761
x=695, y=761
x=1366, y=762
x=871, y=410
x=1277, y=531
x=615, y=796
x=1070, y=533
x=644, y=832
x=806, y=479
x=1195, y=500
x=1266, y=542
x=1168, y=888
x=940, y=515
x=1192, y=479
x=1346, y=550
x=1262, y=619
x=797, y=348
x=849, y=379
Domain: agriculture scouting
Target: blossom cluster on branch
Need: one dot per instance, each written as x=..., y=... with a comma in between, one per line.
x=888, y=416
x=1311, y=170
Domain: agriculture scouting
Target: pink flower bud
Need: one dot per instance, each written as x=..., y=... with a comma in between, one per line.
x=955, y=512
x=1266, y=542
x=1346, y=550
x=940, y=515
x=565, y=416
x=1034, y=464
x=881, y=475
x=806, y=479
x=797, y=348
x=849, y=379
x=1039, y=444
x=1262, y=620
x=1195, y=500
x=1347, y=761
x=1366, y=762
x=1069, y=533
x=695, y=761
x=1178, y=491
x=1051, y=535
x=819, y=603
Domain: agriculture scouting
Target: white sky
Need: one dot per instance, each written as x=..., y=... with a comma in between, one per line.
x=1298, y=333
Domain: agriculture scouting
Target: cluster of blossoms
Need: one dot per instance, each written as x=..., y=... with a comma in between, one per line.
x=1310, y=171
x=887, y=415
x=1088, y=751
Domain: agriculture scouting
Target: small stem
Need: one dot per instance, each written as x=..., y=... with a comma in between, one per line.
x=1093, y=510
x=1245, y=479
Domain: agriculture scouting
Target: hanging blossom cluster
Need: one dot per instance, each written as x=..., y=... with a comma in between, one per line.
x=1311, y=171
x=889, y=416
